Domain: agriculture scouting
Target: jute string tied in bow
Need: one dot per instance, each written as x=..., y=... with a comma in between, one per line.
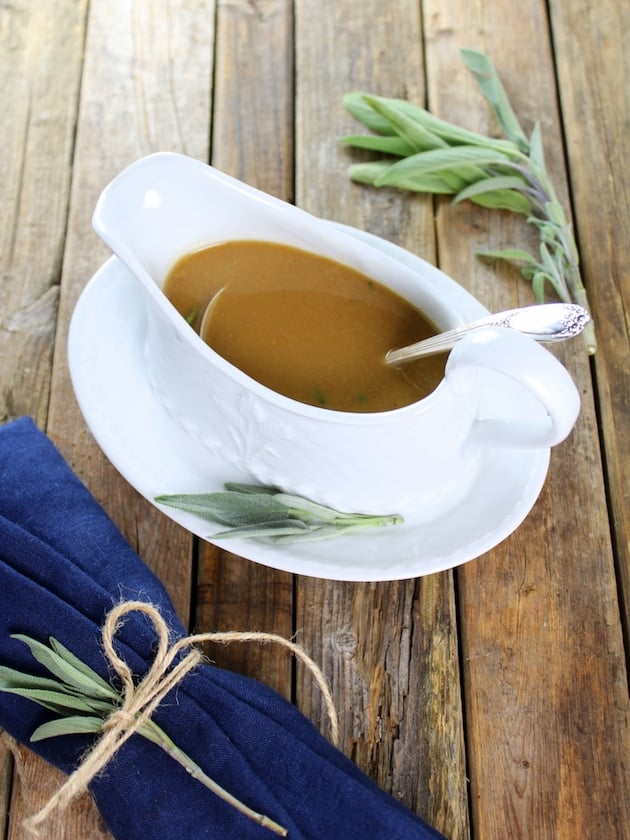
x=140, y=700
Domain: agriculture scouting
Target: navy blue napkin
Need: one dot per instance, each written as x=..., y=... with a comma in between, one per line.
x=63, y=565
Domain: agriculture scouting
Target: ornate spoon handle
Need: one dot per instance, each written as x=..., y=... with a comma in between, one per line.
x=545, y=322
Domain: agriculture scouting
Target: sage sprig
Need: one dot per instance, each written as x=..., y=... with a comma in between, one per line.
x=83, y=701
x=254, y=511
x=508, y=173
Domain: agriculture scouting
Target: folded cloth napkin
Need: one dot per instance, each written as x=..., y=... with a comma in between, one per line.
x=63, y=565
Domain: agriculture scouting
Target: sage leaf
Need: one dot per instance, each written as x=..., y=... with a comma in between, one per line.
x=455, y=157
x=510, y=200
x=268, y=529
x=106, y=690
x=358, y=523
x=368, y=173
x=457, y=136
x=375, y=174
x=508, y=254
x=251, y=488
x=229, y=508
x=539, y=278
x=12, y=679
x=555, y=212
x=298, y=506
x=57, y=665
x=411, y=130
x=69, y=725
x=324, y=532
x=497, y=182
x=55, y=701
x=492, y=88
x=356, y=105
x=454, y=167
x=396, y=146
x=536, y=149
x=263, y=512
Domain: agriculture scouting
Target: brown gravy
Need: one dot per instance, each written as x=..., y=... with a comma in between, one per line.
x=304, y=325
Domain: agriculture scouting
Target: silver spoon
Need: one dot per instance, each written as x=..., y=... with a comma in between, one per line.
x=546, y=322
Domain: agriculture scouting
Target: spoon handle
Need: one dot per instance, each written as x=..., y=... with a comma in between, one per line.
x=546, y=322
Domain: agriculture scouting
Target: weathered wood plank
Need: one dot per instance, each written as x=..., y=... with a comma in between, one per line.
x=390, y=650
x=40, y=65
x=593, y=68
x=252, y=136
x=145, y=87
x=544, y=688
x=252, y=140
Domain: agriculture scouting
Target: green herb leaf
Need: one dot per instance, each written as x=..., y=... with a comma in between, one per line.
x=106, y=690
x=11, y=679
x=396, y=146
x=536, y=150
x=376, y=173
x=510, y=200
x=308, y=510
x=69, y=725
x=356, y=105
x=253, y=489
x=56, y=701
x=508, y=254
x=445, y=160
x=490, y=85
x=282, y=527
x=229, y=508
x=81, y=678
x=492, y=184
x=455, y=135
x=322, y=532
x=265, y=512
x=396, y=112
x=539, y=278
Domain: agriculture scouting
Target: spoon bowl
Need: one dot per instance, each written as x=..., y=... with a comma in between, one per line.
x=545, y=322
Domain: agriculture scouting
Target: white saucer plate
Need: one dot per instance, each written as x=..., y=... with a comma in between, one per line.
x=106, y=360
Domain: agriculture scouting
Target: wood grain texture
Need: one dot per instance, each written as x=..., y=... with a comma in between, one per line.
x=593, y=68
x=389, y=650
x=544, y=679
x=145, y=87
x=40, y=66
x=252, y=140
x=528, y=635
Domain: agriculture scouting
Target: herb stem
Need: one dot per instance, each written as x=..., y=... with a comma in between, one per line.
x=156, y=735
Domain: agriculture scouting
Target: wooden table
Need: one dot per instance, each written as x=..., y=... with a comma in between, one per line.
x=492, y=699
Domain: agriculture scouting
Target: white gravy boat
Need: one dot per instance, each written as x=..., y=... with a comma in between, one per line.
x=423, y=456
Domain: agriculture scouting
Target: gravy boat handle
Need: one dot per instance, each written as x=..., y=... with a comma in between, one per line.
x=504, y=351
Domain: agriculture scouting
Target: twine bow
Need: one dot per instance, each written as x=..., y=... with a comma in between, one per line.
x=141, y=699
